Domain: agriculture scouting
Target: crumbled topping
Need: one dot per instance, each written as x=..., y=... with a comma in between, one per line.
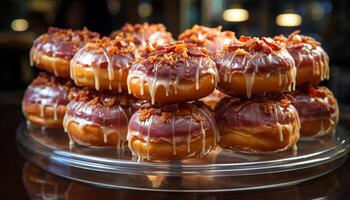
x=166, y=112
x=172, y=54
x=103, y=98
x=112, y=46
x=200, y=35
x=254, y=44
x=75, y=38
x=46, y=79
x=296, y=40
x=141, y=28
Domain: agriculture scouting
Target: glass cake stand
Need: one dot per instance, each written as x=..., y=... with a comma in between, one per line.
x=221, y=170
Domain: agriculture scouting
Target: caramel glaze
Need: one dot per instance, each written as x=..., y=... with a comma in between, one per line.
x=252, y=57
x=213, y=98
x=211, y=38
x=168, y=65
x=173, y=123
x=306, y=52
x=49, y=90
x=63, y=43
x=144, y=34
x=113, y=55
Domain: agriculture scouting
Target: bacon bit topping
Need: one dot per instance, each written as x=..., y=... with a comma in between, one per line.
x=103, y=98
x=172, y=54
x=295, y=40
x=112, y=47
x=75, y=38
x=46, y=79
x=166, y=112
x=142, y=28
x=254, y=44
x=200, y=35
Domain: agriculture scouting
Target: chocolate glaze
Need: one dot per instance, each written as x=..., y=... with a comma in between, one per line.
x=63, y=43
x=181, y=120
x=253, y=55
x=47, y=89
x=101, y=52
x=170, y=61
x=211, y=38
x=314, y=102
x=260, y=111
x=104, y=108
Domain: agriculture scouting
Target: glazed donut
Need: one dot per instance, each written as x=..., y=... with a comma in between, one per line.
x=173, y=73
x=103, y=64
x=144, y=34
x=311, y=60
x=99, y=118
x=257, y=125
x=44, y=102
x=318, y=110
x=53, y=50
x=253, y=66
x=172, y=132
x=211, y=38
x=212, y=99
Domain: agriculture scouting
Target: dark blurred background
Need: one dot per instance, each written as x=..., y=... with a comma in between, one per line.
x=23, y=20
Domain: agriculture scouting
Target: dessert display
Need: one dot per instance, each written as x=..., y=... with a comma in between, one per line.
x=259, y=124
x=318, y=110
x=46, y=98
x=172, y=132
x=213, y=39
x=311, y=60
x=253, y=66
x=173, y=73
x=145, y=34
x=52, y=51
x=173, y=100
x=104, y=64
x=99, y=118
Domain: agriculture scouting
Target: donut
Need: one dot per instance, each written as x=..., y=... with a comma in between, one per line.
x=211, y=38
x=318, y=110
x=173, y=73
x=144, y=34
x=254, y=66
x=45, y=100
x=257, y=125
x=212, y=99
x=99, y=118
x=103, y=64
x=53, y=50
x=172, y=132
x=311, y=60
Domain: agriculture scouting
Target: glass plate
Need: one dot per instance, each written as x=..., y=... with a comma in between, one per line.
x=221, y=170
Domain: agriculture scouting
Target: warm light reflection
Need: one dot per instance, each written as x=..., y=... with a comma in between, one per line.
x=288, y=19
x=144, y=9
x=235, y=15
x=19, y=25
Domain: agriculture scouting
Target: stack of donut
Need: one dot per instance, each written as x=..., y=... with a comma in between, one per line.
x=173, y=100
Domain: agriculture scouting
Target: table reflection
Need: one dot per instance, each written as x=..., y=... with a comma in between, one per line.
x=43, y=185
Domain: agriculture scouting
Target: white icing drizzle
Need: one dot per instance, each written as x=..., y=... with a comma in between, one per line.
x=110, y=69
x=203, y=138
x=173, y=135
x=250, y=77
x=189, y=135
x=168, y=82
x=106, y=130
